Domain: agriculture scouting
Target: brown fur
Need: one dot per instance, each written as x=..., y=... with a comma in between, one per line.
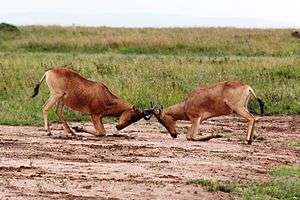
x=296, y=34
x=206, y=102
x=69, y=89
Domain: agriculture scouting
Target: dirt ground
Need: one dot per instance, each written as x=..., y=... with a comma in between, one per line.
x=143, y=162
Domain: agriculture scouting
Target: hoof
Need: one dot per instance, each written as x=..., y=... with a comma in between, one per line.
x=217, y=136
x=100, y=135
x=119, y=127
x=249, y=142
x=174, y=136
x=204, y=137
x=74, y=135
x=71, y=132
x=79, y=137
x=78, y=129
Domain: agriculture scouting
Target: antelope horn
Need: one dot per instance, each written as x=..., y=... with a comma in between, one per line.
x=160, y=109
x=147, y=117
x=147, y=113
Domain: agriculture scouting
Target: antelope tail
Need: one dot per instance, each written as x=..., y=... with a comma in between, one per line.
x=37, y=87
x=261, y=103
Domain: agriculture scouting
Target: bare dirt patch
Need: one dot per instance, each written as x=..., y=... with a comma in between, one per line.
x=143, y=162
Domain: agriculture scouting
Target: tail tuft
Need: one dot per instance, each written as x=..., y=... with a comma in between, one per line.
x=261, y=106
x=36, y=90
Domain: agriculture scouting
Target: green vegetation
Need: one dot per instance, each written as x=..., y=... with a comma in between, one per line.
x=144, y=65
x=295, y=144
x=285, y=185
x=214, y=186
x=200, y=41
x=4, y=27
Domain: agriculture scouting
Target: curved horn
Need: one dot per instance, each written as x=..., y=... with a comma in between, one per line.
x=160, y=109
x=151, y=104
x=153, y=108
x=147, y=117
x=147, y=113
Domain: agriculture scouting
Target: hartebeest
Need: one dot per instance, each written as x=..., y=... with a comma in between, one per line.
x=209, y=101
x=69, y=89
x=296, y=34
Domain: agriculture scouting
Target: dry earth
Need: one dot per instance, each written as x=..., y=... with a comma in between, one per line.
x=143, y=162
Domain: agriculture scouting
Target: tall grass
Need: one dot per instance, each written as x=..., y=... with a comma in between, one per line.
x=144, y=65
x=140, y=79
x=199, y=41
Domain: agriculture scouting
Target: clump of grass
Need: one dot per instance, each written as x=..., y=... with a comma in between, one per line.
x=285, y=185
x=213, y=186
x=295, y=144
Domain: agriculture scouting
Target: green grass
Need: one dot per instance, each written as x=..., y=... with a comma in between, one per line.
x=144, y=65
x=295, y=144
x=140, y=79
x=199, y=41
x=214, y=186
x=284, y=185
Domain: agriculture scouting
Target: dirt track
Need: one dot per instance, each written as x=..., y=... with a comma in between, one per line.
x=143, y=163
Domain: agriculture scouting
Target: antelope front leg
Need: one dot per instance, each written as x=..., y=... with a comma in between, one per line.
x=189, y=133
x=195, y=133
x=192, y=132
x=98, y=125
x=195, y=136
x=97, y=121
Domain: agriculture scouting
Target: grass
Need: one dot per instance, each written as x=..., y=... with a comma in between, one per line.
x=214, y=186
x=199, y=41
x=295, y=144
x=144, y=65
x=284, y=185
x=140, y=79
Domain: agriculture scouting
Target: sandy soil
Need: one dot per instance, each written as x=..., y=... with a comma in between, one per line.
x=143, y=162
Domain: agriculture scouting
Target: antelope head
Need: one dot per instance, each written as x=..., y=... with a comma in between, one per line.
x=133, y=115
x=164, y=119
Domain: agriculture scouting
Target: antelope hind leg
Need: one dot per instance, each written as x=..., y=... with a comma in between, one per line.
x=48, y=105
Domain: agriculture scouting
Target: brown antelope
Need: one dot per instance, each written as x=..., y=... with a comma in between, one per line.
x=69, y=89
x=296, y=34
x=206, y=102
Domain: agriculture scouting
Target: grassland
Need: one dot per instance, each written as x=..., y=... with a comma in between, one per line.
x=143, y=65
x=284, y=185
x=174, y=41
